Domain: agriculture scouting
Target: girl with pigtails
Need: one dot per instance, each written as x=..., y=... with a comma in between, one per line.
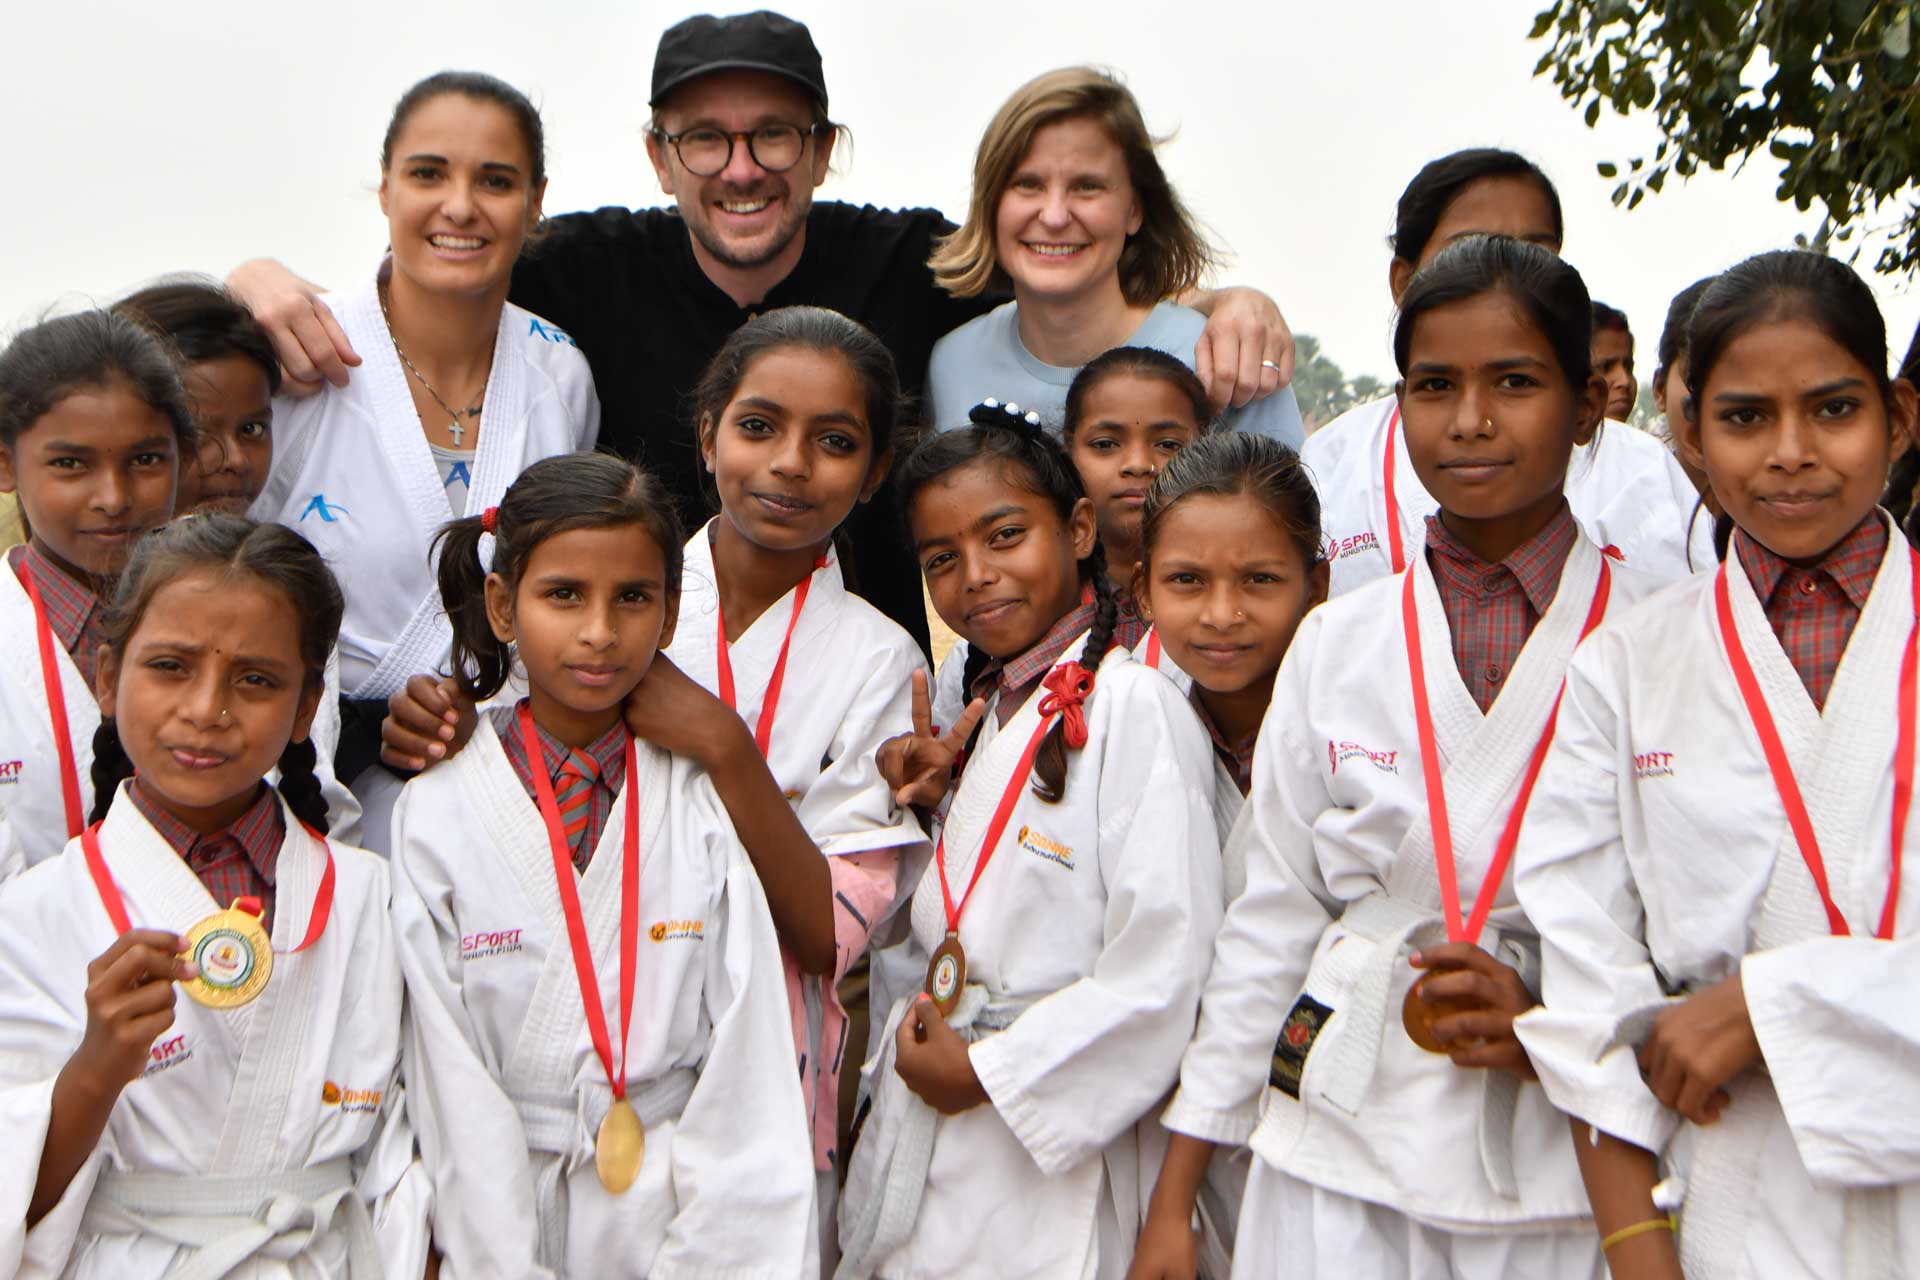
x=1065, y=918
x=256, y=1128
x=599, y=1041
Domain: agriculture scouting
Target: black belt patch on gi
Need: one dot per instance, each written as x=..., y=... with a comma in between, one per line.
x=1297, y=1034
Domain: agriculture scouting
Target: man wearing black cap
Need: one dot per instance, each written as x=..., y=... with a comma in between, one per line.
x=740, y=137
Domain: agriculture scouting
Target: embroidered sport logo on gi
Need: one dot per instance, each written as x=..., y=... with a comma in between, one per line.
x=1041, y=847
x=678, y=930
x=10, y=771
x=1340, y=752
x=498, y=942
x=328, y=512
x=1341, y=548
x=536, y=328
x=166, y=1055
x=1302, y=1027
x=363, y=1100
x=1652, y=764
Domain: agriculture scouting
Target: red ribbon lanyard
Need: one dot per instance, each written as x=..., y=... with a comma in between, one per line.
x=567, y=881
x=769, y=701
x=1396, y=553
x=56, y=708
x=1153, y=648
x=1436, y=787
x=117, y=907
x=1783, y=779
x=1068, y=686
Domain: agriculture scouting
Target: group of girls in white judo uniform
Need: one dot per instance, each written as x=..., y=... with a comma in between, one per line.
x=1462, y=852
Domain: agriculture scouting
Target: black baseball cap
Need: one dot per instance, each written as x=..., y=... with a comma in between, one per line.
x=757, y=41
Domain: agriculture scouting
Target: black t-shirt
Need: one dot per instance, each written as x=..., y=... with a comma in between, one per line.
x=625, y=284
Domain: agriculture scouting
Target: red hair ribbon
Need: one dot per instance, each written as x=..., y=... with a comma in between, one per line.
x=1069, y=686
x=489, y=519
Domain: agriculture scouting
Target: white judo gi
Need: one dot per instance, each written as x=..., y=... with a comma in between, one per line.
x=1369, y=1152
x=353, y=474
x=509, y=1091
x=271, y=1138
x=1086, y=947
x=1622, y=495
x=1657, y=859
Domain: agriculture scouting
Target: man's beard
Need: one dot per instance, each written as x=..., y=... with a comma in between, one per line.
x=732, y=255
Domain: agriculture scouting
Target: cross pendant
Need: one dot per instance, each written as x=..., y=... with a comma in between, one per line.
x=457, y=431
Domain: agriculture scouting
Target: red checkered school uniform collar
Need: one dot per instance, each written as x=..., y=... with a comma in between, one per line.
x=260, y=831
x=1014, y=678
x=73, y=608
x=1850, y=563
x=1813, y=609
x=1492, y=608
x=1535, y=564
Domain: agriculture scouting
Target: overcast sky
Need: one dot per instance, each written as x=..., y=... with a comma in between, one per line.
x=148, y=138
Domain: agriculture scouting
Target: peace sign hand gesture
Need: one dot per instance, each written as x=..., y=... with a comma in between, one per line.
x=919, y=765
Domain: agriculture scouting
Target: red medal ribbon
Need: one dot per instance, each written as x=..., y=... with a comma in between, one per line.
x=117, y=907
x=1069, y=684
x=769, y=701
x=1395, y=551
x=1470, y=930
x=1783, y=780
x=1153, y=648
x=566, y=879
x=57, y=709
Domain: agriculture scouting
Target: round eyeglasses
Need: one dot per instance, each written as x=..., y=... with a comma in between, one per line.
x=706, y=151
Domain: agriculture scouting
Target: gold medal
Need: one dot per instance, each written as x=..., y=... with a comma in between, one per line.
x=1418, y=1015
x=234, y=957
x=619, y=1146
x=947, y=975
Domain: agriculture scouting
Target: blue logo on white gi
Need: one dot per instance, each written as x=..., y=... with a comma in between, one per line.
x=458, y=472
x=329, y=513
x=536, y=328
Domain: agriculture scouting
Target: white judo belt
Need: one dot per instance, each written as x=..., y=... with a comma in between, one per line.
x=563, y=1127
x=1392, y=926
x=223, y=1222
x=884, y=1193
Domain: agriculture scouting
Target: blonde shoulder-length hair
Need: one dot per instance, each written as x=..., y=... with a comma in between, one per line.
x=1164, y=259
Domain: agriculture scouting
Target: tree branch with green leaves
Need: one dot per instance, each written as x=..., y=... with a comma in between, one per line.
x=1827, y=87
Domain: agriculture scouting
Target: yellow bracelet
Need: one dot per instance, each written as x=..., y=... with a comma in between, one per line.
x=1638, y=1229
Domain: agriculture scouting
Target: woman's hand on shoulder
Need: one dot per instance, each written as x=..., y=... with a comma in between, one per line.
x=427, y=722
x=1246, y=351
x=919, y=765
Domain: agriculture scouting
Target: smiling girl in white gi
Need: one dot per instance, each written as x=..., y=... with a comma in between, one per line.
x=1388, y=780
x=93, y=424
x=1229, y=565
x=256, y=1130
x=602, y=1053
x=1715, y=857
x=1065, y=918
